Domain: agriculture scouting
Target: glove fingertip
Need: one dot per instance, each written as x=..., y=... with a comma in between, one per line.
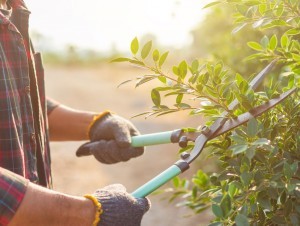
x=83, y=150
x=138, y=151
x=144, y=204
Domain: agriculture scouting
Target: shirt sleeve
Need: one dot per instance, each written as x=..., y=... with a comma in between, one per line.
x=51, y=105
x=12, y=192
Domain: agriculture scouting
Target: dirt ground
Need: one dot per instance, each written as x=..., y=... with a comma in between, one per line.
x=95, y=89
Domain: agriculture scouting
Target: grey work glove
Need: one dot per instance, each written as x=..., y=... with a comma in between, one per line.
x=111, y=140
x=119, y=207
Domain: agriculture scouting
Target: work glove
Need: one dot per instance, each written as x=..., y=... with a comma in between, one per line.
x=119, y=208
x=110, y=137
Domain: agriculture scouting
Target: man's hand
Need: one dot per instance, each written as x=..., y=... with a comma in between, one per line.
x=119, y=207
x=111, y=140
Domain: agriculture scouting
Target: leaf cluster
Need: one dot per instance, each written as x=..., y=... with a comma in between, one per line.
x=258, y=179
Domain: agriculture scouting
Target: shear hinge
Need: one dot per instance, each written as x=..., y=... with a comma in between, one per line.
x=183, y=165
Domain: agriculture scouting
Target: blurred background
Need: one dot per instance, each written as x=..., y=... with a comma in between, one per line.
x=78, y=39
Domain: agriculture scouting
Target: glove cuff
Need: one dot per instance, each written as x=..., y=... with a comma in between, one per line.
x=98, y=207
x=96, y=118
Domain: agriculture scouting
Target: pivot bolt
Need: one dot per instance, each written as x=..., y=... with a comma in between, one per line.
x=205, y=130
x=185, y=155
x=183, y=141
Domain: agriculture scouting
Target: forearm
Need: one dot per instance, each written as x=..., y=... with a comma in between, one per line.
x=66, y=124
x=42, y=206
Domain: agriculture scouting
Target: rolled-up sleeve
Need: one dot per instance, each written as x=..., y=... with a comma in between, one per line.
x=12, y=192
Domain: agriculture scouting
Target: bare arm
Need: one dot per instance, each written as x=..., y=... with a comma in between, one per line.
x=42, y=206
x=67, y=124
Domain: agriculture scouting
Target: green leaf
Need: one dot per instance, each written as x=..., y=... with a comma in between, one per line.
x=239, y=79
x=253, y=57
x=162, y=79
x=264, y=42
x=288, y=207
x=279, y=220
x=284, y=41
x=175, y=70
x=144, y=80
x=283, y=197
x=239, y=148
x=250, y=152
x=279, y=10
x=127, y=81
x=182, y=69
x=146, y=49
x=255, y=46
x=290, y=170
x=155, y=96
x=226, y=205
x=232, y=189
x=262, y=8
x=183, y=106
x=218, y=69
x=212, y=4
x=238, y=139
x=120, y=59
x=242, y=9
x=246, y=178
x=238, y=28
x=194, y=192
x=217, y=210
x=176, y=182
x=179, y=98
x=261, y=141
x=137, y=62
x=296, y=57
x=163, y=58
x=155, y=55
x=252, y=127
x=264, y=200
x=241, y=220
x=195, y=66
x=293, y=31
x=165, y=88
x=258, y=23
x=134, y=46
x=273, y=43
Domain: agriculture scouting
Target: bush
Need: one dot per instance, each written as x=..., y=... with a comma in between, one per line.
x=257, y=182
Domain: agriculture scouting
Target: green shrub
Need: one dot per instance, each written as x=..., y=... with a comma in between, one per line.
x=257, y=181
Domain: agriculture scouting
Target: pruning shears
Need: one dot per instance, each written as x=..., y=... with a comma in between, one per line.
x=220, y=126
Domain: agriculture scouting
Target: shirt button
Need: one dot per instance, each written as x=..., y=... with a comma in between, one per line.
x=32, y=137
x=27, y=89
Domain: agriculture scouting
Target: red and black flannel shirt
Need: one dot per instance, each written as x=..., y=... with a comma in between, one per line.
x=24, y=146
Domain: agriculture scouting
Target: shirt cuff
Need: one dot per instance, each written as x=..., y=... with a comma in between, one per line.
x=12, y=191
x=51, y=105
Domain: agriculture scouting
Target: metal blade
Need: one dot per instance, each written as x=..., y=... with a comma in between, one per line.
x=202, y=139
x=243, y=118
x=253, y=113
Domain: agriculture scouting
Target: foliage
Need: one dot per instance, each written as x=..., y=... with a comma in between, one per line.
x=258, y=182
x=213, y=38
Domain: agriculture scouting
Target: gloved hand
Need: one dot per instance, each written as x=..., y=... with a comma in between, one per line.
x=110, y=139
x=119, y=207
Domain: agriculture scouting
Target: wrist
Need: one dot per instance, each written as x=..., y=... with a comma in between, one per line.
x=97, y=208
x=89, y=211
x=42, y=206
x=96, y=119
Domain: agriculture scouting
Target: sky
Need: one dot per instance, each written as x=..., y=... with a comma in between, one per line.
x=103, y=25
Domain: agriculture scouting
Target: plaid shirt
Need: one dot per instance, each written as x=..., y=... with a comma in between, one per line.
x=24, y=146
